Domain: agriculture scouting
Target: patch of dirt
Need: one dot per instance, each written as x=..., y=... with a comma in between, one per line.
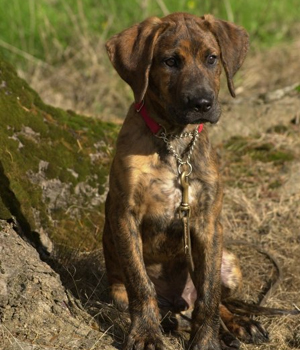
x=36, y=312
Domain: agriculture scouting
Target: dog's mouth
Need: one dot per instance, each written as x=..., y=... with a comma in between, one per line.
x=194, y=116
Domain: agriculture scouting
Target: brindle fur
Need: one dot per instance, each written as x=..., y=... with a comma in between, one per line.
x=142, y=238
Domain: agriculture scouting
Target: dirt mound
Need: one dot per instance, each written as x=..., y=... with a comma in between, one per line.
x=36, y=312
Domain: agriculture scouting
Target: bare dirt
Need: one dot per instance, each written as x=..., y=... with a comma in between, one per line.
x=258, y=139
x=36, y=311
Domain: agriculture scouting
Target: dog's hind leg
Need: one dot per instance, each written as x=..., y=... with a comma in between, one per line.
x=242, y=327
x=231, y=275
x=233, y=326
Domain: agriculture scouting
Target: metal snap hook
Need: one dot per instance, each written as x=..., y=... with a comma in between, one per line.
x=189, y=169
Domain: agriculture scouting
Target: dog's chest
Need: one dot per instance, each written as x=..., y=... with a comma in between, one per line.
x=164, y=195
x=162, y=227
x=156, y=185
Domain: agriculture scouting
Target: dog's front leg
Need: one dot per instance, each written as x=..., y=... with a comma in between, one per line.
x=207, y=253
x=145, y=330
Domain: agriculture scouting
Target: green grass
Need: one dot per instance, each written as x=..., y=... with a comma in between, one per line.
x=39, y=29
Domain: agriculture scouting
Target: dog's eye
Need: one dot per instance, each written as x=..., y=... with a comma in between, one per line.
x=211, y=60
x=171, y=62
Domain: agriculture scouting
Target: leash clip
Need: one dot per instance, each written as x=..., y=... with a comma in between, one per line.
x=185, y=209
x=187, y=173
x=184, y=214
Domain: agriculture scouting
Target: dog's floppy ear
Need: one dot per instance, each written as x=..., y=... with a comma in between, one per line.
x=234, y=43
x=131, y=53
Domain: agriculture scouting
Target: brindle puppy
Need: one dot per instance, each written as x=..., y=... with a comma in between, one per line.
x=173, y=64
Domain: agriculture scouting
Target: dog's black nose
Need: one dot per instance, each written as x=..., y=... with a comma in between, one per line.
x=202, y=103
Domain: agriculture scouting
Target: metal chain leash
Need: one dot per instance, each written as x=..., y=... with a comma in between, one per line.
x=184, y=209
x=168, y=138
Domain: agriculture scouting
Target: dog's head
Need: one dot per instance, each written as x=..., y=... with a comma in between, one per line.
x=176, y=62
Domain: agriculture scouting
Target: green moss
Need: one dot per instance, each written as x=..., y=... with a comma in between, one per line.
x=275, y=156
x=275, y=184
x=45, y=153
x=5, y=213
x=278, y=129
x=237, y=144
x=250, y=162
x=264, y=152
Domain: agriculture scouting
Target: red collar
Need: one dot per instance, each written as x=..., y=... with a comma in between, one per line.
x=151, y=123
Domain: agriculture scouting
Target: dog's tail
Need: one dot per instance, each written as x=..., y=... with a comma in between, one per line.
x=243, y=308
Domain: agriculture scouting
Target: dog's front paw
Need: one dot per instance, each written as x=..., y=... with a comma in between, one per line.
x=203, y=339
x=144, y=337
x=205, y=336
x=228, y=340
x=205, y=345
